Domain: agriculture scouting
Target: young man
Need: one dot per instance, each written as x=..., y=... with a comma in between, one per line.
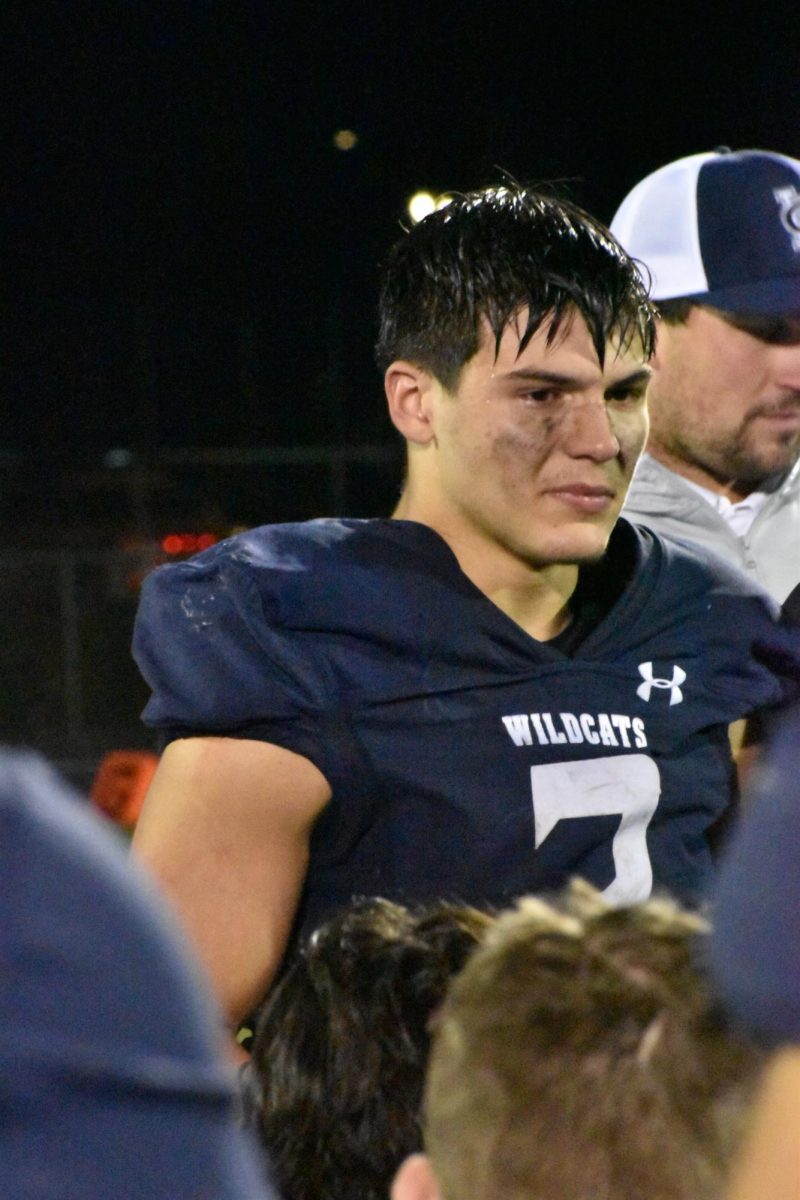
x=496, y=689
x=580, y=1054
x=720, y=236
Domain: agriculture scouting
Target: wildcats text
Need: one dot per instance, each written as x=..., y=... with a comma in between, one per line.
x=555, y=729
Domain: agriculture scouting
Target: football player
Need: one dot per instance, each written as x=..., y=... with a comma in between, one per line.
x=501, y=686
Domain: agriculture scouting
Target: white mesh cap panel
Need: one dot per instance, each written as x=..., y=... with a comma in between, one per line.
x=657, y=224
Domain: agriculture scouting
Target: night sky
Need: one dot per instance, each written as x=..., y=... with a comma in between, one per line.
x=192, y=261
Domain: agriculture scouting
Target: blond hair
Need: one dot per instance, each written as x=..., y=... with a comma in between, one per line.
x=580, y=1055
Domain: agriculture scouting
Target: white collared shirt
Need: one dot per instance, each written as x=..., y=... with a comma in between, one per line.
x=739, y=516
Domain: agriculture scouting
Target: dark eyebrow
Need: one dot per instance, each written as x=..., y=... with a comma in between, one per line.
x=642, y=375
x=544, y=377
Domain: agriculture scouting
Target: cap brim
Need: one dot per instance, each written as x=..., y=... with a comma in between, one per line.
x=770, y=297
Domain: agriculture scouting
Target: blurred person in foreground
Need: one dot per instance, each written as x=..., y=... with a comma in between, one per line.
x=720, y=236
x=500, y=687
x=342, y=1045
x=581, y=1055
x=111, y=1076
x=756, y=960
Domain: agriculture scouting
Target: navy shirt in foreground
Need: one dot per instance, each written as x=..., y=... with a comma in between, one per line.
x=755, y=943
x=112, y=1081
x=467, y=759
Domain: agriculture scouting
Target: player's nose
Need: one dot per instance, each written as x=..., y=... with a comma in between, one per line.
x=589, y=432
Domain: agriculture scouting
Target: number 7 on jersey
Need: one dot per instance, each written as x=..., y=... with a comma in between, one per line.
x=624, y=784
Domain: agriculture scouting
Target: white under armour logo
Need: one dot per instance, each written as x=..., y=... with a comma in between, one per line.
x=650, y=682
x=788, y=199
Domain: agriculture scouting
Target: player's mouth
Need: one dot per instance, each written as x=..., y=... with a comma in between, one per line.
x=584, y=497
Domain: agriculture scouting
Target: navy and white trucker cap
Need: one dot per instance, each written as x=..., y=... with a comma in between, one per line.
x=721, y=228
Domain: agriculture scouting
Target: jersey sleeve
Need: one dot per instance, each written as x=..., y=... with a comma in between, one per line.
x=212, y=641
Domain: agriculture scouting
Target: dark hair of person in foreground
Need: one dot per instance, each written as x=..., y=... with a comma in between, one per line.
x=342, y=1045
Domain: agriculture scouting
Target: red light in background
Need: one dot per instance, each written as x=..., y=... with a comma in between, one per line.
x=187, y=543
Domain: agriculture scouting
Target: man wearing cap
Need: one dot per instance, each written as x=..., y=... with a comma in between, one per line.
x=719, y=234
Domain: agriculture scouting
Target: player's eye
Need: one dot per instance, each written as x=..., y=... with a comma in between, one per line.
x=627, y=395
x=541, y=395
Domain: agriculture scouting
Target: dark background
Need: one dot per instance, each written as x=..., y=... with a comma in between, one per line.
x=190, y=262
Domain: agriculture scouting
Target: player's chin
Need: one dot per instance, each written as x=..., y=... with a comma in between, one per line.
x=580, y=546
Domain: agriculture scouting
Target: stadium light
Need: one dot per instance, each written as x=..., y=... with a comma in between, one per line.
x=345, y=139
x=423, y=203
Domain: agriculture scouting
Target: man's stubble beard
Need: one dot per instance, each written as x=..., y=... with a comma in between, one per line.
x=737, y=459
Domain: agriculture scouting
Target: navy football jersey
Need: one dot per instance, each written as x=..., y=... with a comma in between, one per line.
x=467, y=759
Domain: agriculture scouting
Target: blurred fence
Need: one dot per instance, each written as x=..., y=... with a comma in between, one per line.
x=68, y=684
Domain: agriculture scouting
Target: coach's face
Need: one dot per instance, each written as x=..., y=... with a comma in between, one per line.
x=725, y=398
x=532, y=452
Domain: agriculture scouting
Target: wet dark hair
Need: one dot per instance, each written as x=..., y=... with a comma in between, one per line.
x=492, y=253
x=342, y=1045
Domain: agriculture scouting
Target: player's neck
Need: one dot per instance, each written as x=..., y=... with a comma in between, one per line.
x=537, y=598
x=541, y=609
x=733, y=489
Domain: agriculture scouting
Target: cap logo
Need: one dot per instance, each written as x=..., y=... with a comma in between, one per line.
x=788, y=199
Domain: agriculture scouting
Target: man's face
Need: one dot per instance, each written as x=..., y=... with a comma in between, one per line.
x=534, y=451
x=725, y=398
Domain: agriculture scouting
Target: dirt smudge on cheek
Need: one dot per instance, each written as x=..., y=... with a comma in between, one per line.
x=517, y=456
x=526, y=446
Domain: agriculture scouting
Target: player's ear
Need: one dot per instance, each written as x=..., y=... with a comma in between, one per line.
x=415, y=1180
x=409, y=390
